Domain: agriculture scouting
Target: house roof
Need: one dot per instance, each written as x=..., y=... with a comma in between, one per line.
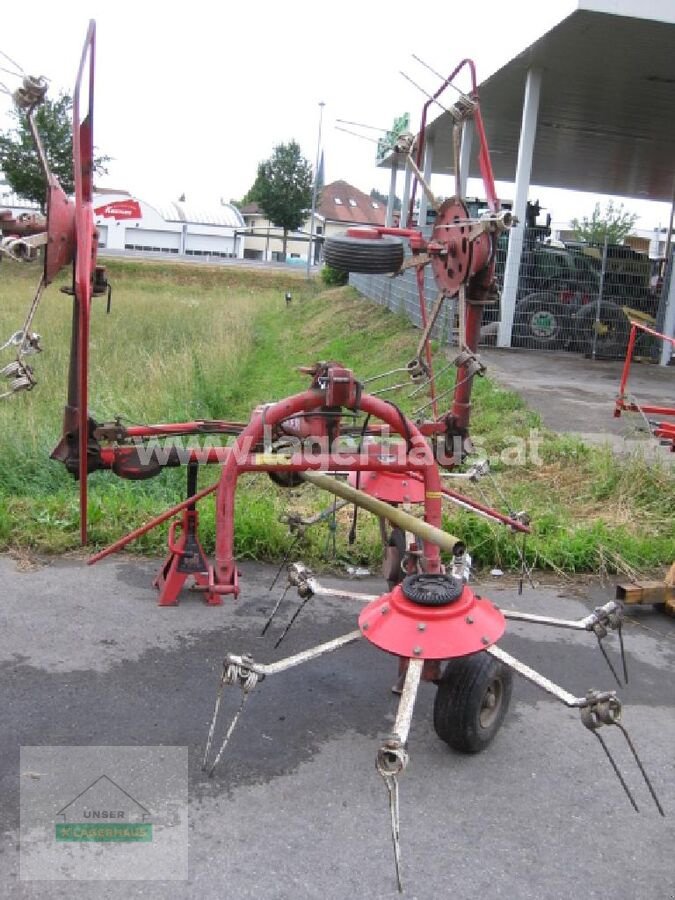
x=250, y=209
x=342, y=202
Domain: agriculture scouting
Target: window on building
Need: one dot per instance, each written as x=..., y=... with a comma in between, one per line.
x=338, y=202
x=352, y=202
x=376, y=205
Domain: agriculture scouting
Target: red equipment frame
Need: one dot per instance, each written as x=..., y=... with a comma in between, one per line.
x=86, y=445
x=663, y=430
x=428, y=618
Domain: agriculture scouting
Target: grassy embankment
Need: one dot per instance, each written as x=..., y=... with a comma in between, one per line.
x=185, y=342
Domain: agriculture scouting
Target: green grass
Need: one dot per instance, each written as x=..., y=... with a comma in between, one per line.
x=189, y=342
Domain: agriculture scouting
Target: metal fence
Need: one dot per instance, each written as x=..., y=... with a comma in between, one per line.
x=580, y=297
x=570, y=297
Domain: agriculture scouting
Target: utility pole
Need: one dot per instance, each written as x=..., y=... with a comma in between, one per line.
x=314, y=191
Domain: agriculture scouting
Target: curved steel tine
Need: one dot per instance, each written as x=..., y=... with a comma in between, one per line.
x=275, y=610
x=214, y=718
x=637, y=759
x=623, y=653
x=228, y=734
x=609, y=663
x=292, y=620
x=617, y=772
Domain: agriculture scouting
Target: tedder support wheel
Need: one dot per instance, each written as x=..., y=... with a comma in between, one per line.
x=369, y=256
x=471, y=701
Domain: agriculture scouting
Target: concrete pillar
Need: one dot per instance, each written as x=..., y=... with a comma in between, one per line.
x=389, y=217
x=406, y=198
x=528, y=130
x=465, y=155
x=426, y=171
x=669, y=318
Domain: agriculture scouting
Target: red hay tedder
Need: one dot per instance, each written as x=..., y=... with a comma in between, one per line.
x=429, y=618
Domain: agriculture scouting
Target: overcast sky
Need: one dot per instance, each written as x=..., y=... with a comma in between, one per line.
x=189, y=98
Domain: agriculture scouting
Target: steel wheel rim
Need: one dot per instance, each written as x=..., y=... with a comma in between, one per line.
x=491, y=703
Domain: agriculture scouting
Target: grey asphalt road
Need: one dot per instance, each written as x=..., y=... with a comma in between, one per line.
x=576, y=395
x=297, y=810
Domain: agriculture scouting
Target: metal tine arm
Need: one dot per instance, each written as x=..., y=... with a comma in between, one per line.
x=302, y=577
x=245, y=672
x=297, y=659
x=393, y=387
x=588, y=623
x=392, y=756
x=597, y=708
x=385, y=374
x=309, y=587
x=602, y=619
x=601, y=712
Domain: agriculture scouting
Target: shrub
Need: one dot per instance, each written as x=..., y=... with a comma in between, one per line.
x=333, y=277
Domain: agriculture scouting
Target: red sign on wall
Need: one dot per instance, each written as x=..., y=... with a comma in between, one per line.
x=120, y=209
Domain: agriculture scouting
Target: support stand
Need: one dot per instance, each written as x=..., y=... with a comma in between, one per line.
x=186, y=557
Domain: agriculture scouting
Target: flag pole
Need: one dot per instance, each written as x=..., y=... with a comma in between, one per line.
x=314, y=191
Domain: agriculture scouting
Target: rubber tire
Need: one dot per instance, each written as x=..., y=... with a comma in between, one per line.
x=431, y=590
x=523, y=333
x=611, y=344
x=460, y=700
x=363, y=255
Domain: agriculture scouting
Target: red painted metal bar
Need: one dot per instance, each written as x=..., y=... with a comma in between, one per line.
x=480, y=507
x=423, y=122
x=626, y=370
x=323, y=462
x=621, y=404
x=233, y=428
x=153, y=523
x=461, y=404
x=217, y=426
x=648, y=330
x=653, y=410
x=419, y=457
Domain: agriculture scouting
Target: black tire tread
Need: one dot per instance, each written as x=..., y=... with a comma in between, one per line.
x=523, y=337
x=611, y=345
x=363, y=255
x=458, y=699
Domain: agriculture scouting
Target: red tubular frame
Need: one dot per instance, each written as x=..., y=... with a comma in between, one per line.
x=621, y=403
x=664, y=430
x=419, y=458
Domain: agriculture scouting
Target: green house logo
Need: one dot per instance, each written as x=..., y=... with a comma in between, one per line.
x=104, y=813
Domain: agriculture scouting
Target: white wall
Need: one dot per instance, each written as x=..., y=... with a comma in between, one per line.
x=130, y=222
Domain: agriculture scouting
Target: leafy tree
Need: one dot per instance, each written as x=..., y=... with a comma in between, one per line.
x=283, y=188
x=18, y=157
x=615, y=223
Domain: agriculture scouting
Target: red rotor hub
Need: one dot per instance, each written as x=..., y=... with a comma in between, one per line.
x=452, y=264
x=392, y=487
x=459, y=624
